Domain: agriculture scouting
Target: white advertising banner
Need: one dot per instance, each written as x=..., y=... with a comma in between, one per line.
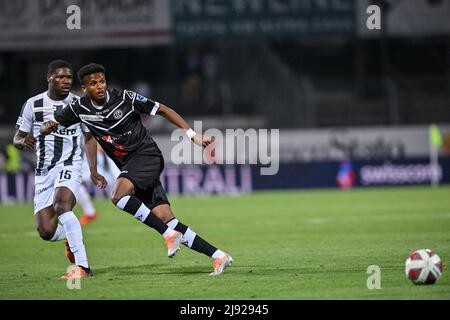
x=36, y=24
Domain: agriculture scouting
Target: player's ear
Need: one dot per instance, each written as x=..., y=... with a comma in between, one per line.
x=83, y=88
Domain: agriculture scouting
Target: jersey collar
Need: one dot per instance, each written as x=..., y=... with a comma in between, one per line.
x=66, y=100
x=96, y=106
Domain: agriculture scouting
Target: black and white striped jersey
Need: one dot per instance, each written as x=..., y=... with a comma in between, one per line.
x=116, y=125
x=61, y=147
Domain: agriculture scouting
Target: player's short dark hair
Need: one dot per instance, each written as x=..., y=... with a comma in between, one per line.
x=56, y=64
x=90, y=69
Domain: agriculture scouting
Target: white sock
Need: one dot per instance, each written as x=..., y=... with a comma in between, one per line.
x=139, y=210
x=168, y=232
x=172, y=223
x=60, y=234
x=189, y=235
x=74, y=236
x=84, y=199
x=218, y=254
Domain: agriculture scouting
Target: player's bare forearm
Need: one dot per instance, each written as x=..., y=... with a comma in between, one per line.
x=172, y=116
x=177, y=120
x=23, y=140
x=91, y=151
x=91, y=154
x=48, y=127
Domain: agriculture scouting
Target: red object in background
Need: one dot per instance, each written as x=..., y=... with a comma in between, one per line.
x=345, y=178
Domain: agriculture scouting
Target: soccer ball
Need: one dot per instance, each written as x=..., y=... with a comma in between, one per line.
x=423, y=267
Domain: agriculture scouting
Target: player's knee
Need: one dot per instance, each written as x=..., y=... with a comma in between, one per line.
x=116, y=198
x=46, y=233
x=61, y=207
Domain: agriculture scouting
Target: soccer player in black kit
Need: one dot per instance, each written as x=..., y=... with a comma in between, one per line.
x=113, y=118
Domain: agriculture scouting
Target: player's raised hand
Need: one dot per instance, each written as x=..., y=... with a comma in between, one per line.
x=49, y=126
x=29, y=141
x=99, y=180
x=201, y=140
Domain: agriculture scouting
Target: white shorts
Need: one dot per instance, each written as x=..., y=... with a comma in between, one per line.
x=59, y=176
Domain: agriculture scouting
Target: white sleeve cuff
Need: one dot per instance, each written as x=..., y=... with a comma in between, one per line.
x=190, y=133
x=155, y=109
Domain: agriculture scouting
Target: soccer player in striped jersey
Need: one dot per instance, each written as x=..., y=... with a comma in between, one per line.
x=58, y=165
x=113, y=117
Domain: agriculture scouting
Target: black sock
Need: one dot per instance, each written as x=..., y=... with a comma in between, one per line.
x=135, y=207
x=195, y=242
x=203, y=246
x=181, y=227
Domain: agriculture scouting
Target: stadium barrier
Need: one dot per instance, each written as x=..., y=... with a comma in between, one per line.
x=240, y=179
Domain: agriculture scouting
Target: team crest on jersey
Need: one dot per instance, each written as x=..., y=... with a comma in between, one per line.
x=117, y=114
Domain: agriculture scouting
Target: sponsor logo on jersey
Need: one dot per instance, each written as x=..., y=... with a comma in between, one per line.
x=67, y=132
x=120, y=151
x=45, y=109
x=91, y=117
x=141, y=98
x=42, y=190
x=108, y=139
x=19, y=121
x=111, y=139
x=103, y=111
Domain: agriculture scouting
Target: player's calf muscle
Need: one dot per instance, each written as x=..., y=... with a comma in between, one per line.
x=46, y=232
x=46, y=224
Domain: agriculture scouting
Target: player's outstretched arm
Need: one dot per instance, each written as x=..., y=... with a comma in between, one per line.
x=48, y=127
x=24, y=140
x=177, y=120
x=91, y=154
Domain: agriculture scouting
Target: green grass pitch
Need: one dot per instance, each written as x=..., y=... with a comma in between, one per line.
x=286, y=245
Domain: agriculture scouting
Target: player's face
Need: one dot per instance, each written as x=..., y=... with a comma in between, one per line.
x=95, y=86
x=60, y=81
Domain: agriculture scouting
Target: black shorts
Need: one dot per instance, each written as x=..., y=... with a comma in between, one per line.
x=153, y=196
x=143, y=170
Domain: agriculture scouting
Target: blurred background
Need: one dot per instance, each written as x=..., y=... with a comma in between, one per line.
x=354, y=105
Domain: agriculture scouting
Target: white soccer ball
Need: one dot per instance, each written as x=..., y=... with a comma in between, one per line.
x=423, y=267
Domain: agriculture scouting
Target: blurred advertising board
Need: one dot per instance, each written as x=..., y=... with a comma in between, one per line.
x=364, y=143
x=348, y=174
x=315, y=158
x=203, y=19
x=203, y=180
x=324, y=144
x=36, y=24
